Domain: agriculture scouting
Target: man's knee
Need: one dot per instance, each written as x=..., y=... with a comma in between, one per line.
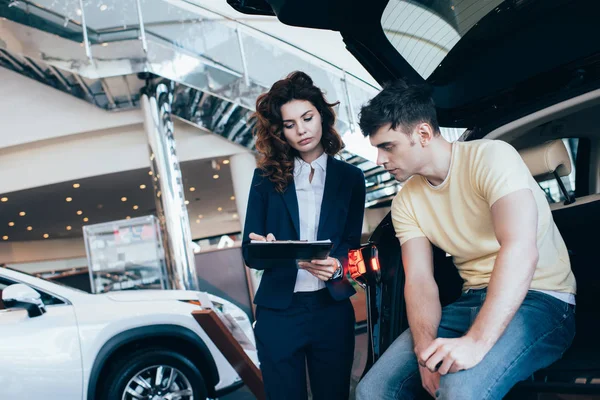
x=366, y=389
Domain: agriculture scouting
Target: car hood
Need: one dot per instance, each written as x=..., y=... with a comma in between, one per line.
x=496, y=60
x=152, y=295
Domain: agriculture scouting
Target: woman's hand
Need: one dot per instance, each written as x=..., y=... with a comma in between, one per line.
x=269, y=238
x=322, y=269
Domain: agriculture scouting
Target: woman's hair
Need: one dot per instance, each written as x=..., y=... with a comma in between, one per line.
x=277, y=161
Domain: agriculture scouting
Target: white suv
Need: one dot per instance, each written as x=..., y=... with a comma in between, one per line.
x=62, y=343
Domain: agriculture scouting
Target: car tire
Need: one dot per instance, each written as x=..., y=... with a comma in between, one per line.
x=144, y=365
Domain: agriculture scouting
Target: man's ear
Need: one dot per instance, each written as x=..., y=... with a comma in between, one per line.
x=424, y=133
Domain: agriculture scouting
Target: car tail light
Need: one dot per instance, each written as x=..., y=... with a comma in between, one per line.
x=363, y=262
x=356, y=263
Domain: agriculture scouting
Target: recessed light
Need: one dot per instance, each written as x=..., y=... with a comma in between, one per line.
x=69, y=199
x=4, y=237
x=128, y=217
x=220, y=209
x=192, y=189
x=29, y=228
x=79, y=212
x=76, y=185
x=86, y=219
x=123, y=198
x=149, y=172
x=135, y=207
x=187, y=202
x=22, y=213
x=200, y=216
x=46, y=236
x=11, y=223
x=225, y=162
x=103, y=7
x=142, y=187
x=235, y=216
x=69, y=227
x=232, y=198
x=215, y=176
x=197, y=221
x=4, y=199
x=78, y=11
x=104, y=44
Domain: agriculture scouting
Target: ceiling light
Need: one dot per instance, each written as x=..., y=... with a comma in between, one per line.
x=149, y=172
x=69, y=227
x=78, y=11
x=4, y=199
x=235, y=216
x=86, y=219
x=192, y=189
x=4, y=237
x=46, y=236
x=200, y=216
x=128, y=217
x=197, y=221
x=225, y=162
x=103, y=7
x=220, y=209
x=29, y=228
x=69, y=199
x=11, y=223
x=22, y=213
x=123, y=198
x=232, y=198
x=79, y=212
x=135, y=207
x=187, y=202
x=104, y=44
x=215, y=176
x=76, y=185
x=142, y=186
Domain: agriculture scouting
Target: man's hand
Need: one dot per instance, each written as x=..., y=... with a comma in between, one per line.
x=452, y=355
x=322, y=269
x=269, y=238
x=429, y=380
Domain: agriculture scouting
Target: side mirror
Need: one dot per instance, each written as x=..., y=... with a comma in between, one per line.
x=22, y=296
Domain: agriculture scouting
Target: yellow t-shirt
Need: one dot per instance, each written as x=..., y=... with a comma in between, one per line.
x=456, y=215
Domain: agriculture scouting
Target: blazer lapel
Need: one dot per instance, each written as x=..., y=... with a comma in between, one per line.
x=332, y=184
x=291, y=201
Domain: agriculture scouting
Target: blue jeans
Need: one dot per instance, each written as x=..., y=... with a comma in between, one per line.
x=539, y=333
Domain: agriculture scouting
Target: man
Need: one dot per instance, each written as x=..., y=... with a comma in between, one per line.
x=478, y=202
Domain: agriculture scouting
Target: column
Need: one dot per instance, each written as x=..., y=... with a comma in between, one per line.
x=168, y=187
x=242, y=167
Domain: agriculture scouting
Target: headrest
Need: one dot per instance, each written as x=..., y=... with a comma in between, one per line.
x=546, y=158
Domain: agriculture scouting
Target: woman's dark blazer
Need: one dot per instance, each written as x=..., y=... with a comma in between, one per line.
x=341, y=219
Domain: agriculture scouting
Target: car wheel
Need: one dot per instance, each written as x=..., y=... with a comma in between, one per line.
x=154, y=374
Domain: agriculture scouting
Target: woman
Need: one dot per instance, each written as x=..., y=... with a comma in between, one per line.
x=301, y=192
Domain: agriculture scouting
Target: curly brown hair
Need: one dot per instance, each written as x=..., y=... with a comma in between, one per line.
x=277, y=161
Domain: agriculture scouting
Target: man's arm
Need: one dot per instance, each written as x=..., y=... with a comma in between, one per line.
x=515, y=218
x=422, y=302
x=421, y=292
x=515, y=224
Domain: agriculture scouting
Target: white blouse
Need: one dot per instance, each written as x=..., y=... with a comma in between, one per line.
x=310, y=197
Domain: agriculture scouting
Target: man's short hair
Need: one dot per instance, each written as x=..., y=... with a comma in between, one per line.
x=399, y=104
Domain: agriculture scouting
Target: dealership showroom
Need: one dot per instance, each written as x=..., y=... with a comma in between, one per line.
x=136, y=227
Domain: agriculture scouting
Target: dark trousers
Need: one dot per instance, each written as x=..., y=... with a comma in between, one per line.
x=315, y=332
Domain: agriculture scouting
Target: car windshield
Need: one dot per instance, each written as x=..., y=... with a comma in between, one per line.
x=424, y=31
x=44, y=279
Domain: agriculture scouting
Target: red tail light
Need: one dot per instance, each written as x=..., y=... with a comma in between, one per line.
x=356, y=263
x=375, y=263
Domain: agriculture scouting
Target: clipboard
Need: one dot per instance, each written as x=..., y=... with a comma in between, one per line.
x=290, y=249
